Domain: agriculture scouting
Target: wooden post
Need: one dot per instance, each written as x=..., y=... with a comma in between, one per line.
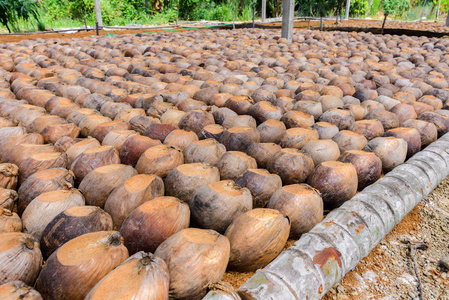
x=254, y=16
x=264, y=10
x=438, y=9
x=348, y=5
x=98, y=13
x=96, y=29
x=383, y=24
x=288, y=10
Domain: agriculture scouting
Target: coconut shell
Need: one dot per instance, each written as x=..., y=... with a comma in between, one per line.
x=78, y=265
x=233, y=163
x=367, y=165
x=18, y=290
x=369, y=128
x=153, y=222
x=261, y=184
x=239, y=138
x=7, y=198
x=322, y=150
x=65, y=142
x=45, y=207
x=91, y=159
x=77, y=116
x=159, y=160
x=103, y=129
x=196, y=120
x=20, y=258
x=116, y=138
x=41, y=161
x=207, y=151
x=23, y=151
x=256, y=238
x=292, y=165
x=427, y=131
x=9, y=221
x=410, y=135
x=336, y=181
x=52, y=133
x=100, y=182
x=180, y=139
x=71, y=223
x=90, y=122
x=262, y=152
x=184, y=180
x=158, y=131
x=298, y=137
x=186, y=254
x=79, y=147
x=271, y=131
x=42, y=182
x=213, y=131
x=11, y=142
x=9, y=174
x=392, y=151
x=216, y=205
x=302, y=204
x=141, y=276
x=39, y=124
x=133, y=193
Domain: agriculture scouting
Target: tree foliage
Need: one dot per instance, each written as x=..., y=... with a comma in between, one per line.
x=395, y=7
x=12, y=11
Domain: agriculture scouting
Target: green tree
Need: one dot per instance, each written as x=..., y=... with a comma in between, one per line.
x=11, y=11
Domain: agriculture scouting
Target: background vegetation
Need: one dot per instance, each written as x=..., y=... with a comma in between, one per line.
x=31, y=15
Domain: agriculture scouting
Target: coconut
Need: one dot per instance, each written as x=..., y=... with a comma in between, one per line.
x=11, y=142
x=39, y=124
x=45, y=207
x=172, y=116
x=18, y=290
x=41, y=161
x=239, y=121
x=240, y=104
x=392, y=151
x=410, y=135
x=213, y=131
x=186, y=254
x=367, y=165
x=78, y=115
x=78, y=148
x=90, y=122
x=262, y=152
x=180, y=139
x=141, y=276
x=23, y=151
x=9, y=174
x=141, y=123
x=239, y=138
x=271, y=131
x=302, y=204
x=133, y=148
x=264, y=110
x=9, y=221
x=261, y=184
x=196, y=120
x=116, y=138
x=99, y=183
x=233, y=163
x=207, y=151
x=292, y=165
x=102, y=130
x=185, y=179
x=256, y=238
x=322, y=150
x=427, y=131
x=7, y=198
x=42, y=182
x=91, y=159
x=296, y=118
x=369, y=128
x=336, y=181
x=20, y=258
x=298, y=137
x=216, y=205
x=440, y=121
x=78, y=265
x=65, y=142
x=128, y=196
x=159, y=160
x=71, y=223
x=153, y=222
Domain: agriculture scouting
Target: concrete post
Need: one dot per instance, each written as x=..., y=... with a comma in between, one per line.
x=264, y=10
x=98, y=13
x=288, y=10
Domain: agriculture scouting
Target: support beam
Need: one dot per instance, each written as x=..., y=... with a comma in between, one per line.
x=264, y=10
x=348, y=5
x=288, y=10
x=98, y=13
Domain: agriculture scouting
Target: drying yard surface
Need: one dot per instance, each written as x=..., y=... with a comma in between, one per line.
x=213, y=150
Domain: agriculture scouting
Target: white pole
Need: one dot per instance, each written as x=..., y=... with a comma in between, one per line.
x=348, y=4
x=288, y=10
x=98, y=13
x=264, y=10
x=438, y=9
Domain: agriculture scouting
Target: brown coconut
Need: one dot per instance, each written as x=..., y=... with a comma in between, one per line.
x=261, y=183
x=207, y=151
x=302, y=204
x=196, y=120
x=349, y=140
x=336, y=181
x=262, y=152
x=153, y=222
x=91, y=159
x=271, y=131
x=233, y=163
x=159, y=160
x=42, y=182
x=239, y=138
x=180, y=139
x=392, y=151
x=256, y=238
x=41, y=161
x=74, y=269
x=213, y=131
x=78, y=148
x=298, y=137
x=292, y=165
x=185, y=179
x=18, y=290
x=100, y=182
x=131, y=194
x=116, y=138
x=133, y=148
x=45, y=207
x=9, y=221
x=101, y=131
x=71, y=223
x=410, y=135
x=296, y=118
x=9, y=174
x=90, y=122
x=216, y=205
x=322, y=150
x=367, y=165
x=427, y=131
x=186, y=253
x=369, y=128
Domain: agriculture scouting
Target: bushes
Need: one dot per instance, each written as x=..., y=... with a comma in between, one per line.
x=359, y=8
x=14, y=11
